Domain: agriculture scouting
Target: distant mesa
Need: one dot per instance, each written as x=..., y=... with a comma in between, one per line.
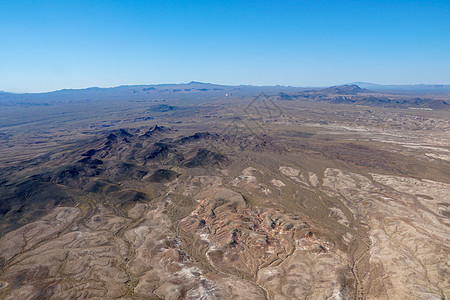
x=347, y=89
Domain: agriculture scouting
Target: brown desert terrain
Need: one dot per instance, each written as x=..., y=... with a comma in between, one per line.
x=338, y=193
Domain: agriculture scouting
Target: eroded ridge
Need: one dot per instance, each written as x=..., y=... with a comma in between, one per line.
x=234, y=250
x=408, y=229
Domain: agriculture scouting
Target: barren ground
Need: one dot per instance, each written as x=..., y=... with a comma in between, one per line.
x=235, y=199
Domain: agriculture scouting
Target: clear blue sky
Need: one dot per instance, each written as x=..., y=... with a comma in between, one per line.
x=49, y=45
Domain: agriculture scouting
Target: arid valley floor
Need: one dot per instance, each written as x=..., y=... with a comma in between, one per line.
x=328, y=194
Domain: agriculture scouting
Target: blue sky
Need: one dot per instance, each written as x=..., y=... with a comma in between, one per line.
x=49, y=45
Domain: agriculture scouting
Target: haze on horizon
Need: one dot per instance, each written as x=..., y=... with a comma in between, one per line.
x=51, y=45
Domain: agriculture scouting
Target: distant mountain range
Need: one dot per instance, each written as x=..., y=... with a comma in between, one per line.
x=353, y=94
x=407, y=87
x=361, y=93
x=195, y=91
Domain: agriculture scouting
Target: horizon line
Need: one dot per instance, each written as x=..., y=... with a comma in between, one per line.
x=234, y=85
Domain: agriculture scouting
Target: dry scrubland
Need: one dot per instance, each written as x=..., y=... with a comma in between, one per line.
x=228, y=199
